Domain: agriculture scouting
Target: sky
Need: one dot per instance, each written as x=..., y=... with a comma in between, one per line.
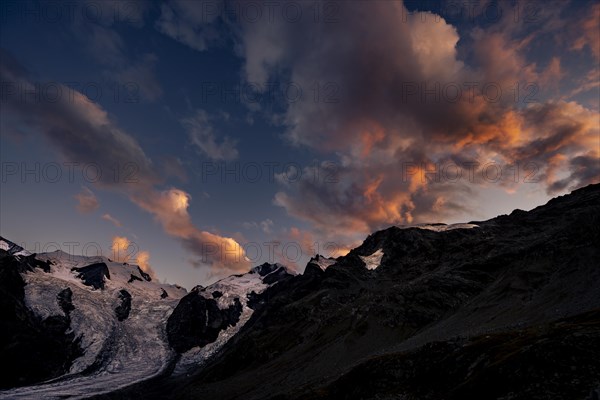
x=201, y=138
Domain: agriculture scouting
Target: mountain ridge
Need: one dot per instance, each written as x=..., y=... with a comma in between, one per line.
x=511, y=272
x=371, y=324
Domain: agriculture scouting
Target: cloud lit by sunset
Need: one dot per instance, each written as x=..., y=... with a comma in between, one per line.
x=383, y=114
x=292, y=199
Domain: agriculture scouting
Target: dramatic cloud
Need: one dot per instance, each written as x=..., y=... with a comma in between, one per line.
x=397, y=105
x=293, y=247
x=82, y=133
x=113, y=220
x=86, y=201
x=418, y=116
x=389, y=94
x=202, y=135
x=170, y=209
x=357, y=200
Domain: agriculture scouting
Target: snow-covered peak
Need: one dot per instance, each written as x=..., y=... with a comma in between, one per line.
x=256, y=280
x=126, y=276
x=373, y=261
x=116, y=313
x=119, y=315
x=234, y=286
x=230, y=293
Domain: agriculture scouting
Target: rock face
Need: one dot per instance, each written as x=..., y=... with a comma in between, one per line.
x=123, y=309
x=134, y=278
x=32, y=348
x=65, y=300
x=484, y=310
x=93, y=275
x=144, y=275
x=197, y=321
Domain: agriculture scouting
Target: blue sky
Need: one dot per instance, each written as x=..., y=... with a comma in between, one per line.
x=221, y=128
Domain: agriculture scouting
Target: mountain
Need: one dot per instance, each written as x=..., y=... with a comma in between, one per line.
x=88, y=325
x=507, y=308
x=500, y=309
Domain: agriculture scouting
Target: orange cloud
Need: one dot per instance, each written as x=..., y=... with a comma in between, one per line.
x=123, y=250
x=170, y=207
x=143, y=260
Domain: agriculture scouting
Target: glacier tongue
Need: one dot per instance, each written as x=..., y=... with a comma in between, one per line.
x=119, y=353
x=116, y=353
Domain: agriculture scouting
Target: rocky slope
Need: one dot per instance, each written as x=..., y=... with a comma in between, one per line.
x=500, y=309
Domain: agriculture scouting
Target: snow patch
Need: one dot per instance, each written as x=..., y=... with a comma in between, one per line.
x=373, y=261
x=441, y=227
x=323, y=262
